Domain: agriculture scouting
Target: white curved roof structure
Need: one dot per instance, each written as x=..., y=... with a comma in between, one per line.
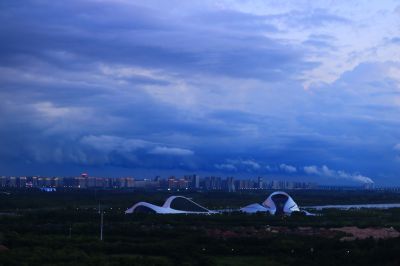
x=278, y=202
x=253, y=208
x=146, y=207
x=172, y=205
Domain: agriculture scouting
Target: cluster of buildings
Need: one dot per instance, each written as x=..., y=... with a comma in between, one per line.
x=187, y=182
x=231, y=184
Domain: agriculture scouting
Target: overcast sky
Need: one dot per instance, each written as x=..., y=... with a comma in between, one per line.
x=295, y=89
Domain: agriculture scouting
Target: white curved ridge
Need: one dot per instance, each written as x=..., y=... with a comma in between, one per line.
x=289, y=206
x=253, y=208
x=269, y=205
x=166, y=208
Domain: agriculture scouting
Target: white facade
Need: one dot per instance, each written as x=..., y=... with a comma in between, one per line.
x=253, y=208
x=166, y=208
x=277, y=202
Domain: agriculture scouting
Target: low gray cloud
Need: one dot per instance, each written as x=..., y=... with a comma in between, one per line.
x=254, y=166
x=225, y=167
x=288, y=168
x=162, y=150
x=113, y=143
x=326, y=172
x=247, y=165
x=251, y=163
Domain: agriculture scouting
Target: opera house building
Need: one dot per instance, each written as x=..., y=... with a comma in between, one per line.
x=278, y=203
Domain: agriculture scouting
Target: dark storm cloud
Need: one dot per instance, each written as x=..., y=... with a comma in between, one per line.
x=212, y=42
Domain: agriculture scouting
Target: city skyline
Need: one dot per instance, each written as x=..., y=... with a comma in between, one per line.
x=227, y=88
x=191, y=182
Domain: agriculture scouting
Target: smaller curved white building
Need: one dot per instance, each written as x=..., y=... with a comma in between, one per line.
x=172, y=205
x=253, y=208
x=278, y=202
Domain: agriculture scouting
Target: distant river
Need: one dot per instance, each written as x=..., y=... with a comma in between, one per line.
x=355, y=206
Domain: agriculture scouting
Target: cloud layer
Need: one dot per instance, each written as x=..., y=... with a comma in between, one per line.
x=227, y=87
x=324, y=171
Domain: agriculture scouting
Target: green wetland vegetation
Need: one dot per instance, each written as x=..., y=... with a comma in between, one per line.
x=62, y=228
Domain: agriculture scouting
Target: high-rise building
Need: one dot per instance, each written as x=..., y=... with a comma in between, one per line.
x=290, y=185
x=196, y=181
x=130, y=182
x=276, y=184
x=183, y=183
x=12, y=181
x=121, y=183
x=193, y=180
x=172, y=183
x=163, y=183
x=3, y=181
x=80, y=182
x=212, y=183
x=91, y=182
x=230, y=184
x=22, y=181
x=58, y=181
x=260, y=183
x=35, y=181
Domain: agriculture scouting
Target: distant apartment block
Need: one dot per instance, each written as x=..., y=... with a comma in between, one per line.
x=187, y=182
